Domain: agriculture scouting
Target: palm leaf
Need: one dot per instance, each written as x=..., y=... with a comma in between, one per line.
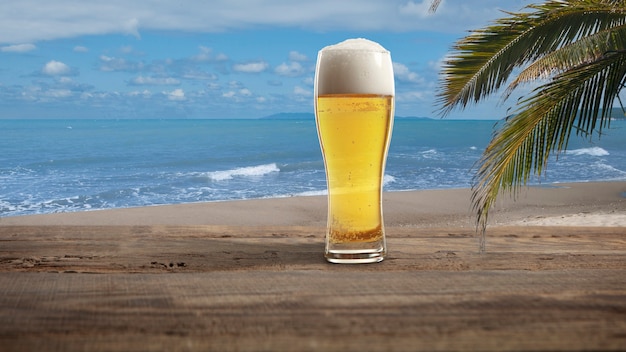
x=578, y=45
x=483, y=61
x=585, y=50
x=580, y=97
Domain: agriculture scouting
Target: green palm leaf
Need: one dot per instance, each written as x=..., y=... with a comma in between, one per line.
x=585, y=50
x=483, y=61
x=579, y=98
x=579, y=46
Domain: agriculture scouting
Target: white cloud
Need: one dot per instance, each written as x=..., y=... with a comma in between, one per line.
x=245, y=92
x=251, y=67
x=420, y=10
x=291, y=69
x=144, y=93
x=235, y=85
x=176, y=95
x=66, y=81
x=206, y=55
x=37, y=20
x=213, y=86
x=410, y=96
x=58, y=93
x=86, y=95
x=403, y=73
x=199, y=75
x=18, y=48
x=296, y=56
x=221, y=57
x=55, y=68
x=131, y=26
x=238, y=94
x=80, y=49
x=154, y=81
x=126, y=49
x=297, y=90
x=437, y=65
x=108, y=63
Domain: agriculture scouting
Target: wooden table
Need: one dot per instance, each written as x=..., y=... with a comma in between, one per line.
x=188, y=288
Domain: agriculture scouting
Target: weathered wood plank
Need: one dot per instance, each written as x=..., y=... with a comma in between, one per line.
x=490, y=310
x=209, y=248
x=154, y=288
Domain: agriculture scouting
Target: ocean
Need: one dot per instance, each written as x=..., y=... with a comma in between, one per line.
x=52, y=166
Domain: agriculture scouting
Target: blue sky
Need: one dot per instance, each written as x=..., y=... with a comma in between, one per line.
x=217, y=58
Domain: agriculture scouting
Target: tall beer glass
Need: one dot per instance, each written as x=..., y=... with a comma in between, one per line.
x=354, y=102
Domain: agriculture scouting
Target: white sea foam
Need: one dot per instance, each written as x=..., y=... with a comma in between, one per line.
x=430, y=153
x=593, y=151
x=610, y=169
x=387, y=179
x=313, y=193
x=249, y=171
x=355, y=66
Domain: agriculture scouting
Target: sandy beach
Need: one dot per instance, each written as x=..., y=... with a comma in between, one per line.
x=572, y=204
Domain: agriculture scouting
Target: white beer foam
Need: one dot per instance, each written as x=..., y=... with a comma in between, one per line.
x=354, y=66
x=357, y=44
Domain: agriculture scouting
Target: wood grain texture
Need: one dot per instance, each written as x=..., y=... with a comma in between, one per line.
x=198, y=288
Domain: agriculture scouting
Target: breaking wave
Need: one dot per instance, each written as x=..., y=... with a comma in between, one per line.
x=593, y=151
x=249, y=171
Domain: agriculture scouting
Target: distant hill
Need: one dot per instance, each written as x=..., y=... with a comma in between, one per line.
x=413, y=118
x=618, y=113
x=310, y=115
x=291, y=116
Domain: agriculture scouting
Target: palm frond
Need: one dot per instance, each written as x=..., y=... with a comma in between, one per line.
x=483, y=61
x=579, y=46
x=585, y=50
x=580, y=98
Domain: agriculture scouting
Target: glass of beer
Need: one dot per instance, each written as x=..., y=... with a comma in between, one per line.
x=354, y=103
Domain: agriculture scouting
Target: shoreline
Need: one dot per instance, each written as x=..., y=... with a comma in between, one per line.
x=561, y=204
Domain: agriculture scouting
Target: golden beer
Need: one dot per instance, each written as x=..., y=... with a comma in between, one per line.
x=354, y=101
x=354, y=160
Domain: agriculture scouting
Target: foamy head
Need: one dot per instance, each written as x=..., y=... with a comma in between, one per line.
x=354, y=66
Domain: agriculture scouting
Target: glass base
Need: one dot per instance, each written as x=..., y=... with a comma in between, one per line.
x=355, y=256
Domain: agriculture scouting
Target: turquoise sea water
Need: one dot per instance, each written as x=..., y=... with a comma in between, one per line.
x=49, y=166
